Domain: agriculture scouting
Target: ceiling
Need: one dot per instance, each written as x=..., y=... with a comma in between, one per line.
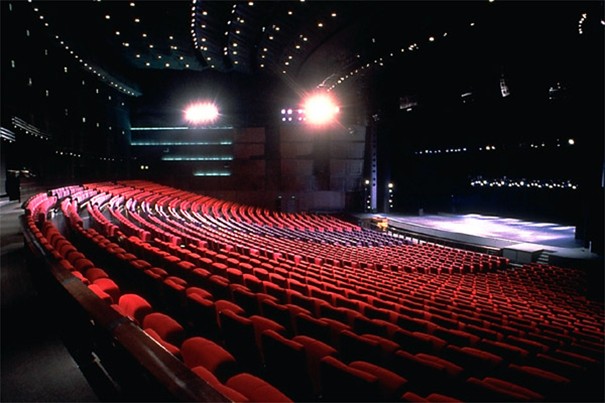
x=315, y=43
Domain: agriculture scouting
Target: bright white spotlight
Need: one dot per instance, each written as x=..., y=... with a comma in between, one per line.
x=201, y=113
x=320, y=109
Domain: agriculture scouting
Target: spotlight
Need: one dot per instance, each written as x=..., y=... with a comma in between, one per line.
x=201, y=113
x=320, y=109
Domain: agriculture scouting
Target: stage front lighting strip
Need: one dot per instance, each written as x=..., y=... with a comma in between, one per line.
x=523, y=183
x=179, y=158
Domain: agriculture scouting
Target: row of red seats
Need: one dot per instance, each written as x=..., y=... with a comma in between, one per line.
x=452, y=345
x=491, y=299
x=247, y=349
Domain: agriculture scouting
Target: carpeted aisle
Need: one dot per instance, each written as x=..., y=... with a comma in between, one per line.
x=35, y=364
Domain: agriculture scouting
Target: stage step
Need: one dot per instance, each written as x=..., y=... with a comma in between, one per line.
x=544, y=257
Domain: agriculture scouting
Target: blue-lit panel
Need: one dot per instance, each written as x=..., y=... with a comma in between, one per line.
x=182, y=128
x=211, y=173
x=180, y=143
x=192, y=158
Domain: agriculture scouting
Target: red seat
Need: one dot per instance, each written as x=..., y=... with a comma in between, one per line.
x=315, y=350
x=174, y=350
x=212, y=380
x=256, y=389
x=391, y=385
x=134, y=306
x=95, y=273
x=286, y=365
x=165, y=326
x=354, y=347
x=239, y=336
x=493, y=389
x=343, y=383
x=199, y=351
x=100, y=293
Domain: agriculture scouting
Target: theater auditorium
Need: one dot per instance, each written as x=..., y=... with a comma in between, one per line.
x=302, y=201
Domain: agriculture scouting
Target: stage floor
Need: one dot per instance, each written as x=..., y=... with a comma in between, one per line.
x=506, y=230
x=493, y=232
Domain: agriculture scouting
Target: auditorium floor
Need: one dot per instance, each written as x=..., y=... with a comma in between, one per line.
x=36, y=366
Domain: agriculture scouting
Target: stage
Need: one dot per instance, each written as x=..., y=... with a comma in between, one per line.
x=520, y=241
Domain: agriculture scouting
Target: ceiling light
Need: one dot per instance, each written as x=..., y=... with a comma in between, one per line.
x=333, y=15
x=202, y=113
x=107, y=16
x=137, y=20
x=320, y=24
